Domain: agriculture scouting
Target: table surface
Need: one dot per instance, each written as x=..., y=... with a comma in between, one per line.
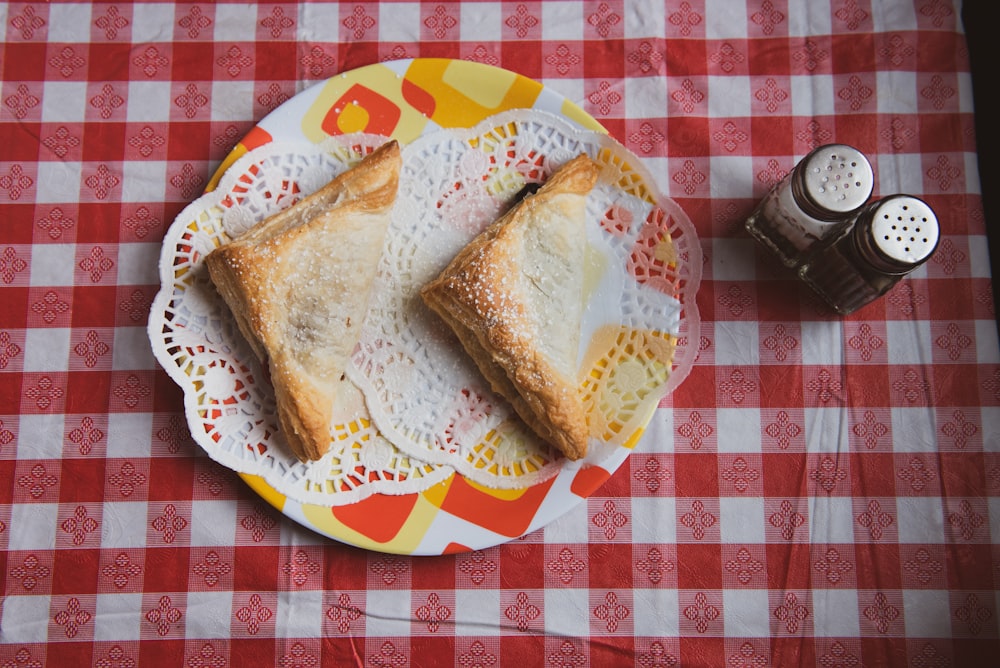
x=821, y=491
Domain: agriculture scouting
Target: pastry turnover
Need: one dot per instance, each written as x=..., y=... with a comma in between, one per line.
x=514, y=298
x=298, y=284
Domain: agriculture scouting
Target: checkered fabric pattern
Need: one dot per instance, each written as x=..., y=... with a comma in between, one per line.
x=821, y=491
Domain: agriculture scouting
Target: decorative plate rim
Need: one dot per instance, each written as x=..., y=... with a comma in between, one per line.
x=547, y=511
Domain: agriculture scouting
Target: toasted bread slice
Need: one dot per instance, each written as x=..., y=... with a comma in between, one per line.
x=514, y=298
x=298, y=284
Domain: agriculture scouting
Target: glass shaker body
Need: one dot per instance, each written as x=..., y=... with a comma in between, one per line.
x=890, y=238
x=813, y=203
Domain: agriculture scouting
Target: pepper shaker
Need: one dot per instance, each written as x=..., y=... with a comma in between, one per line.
x=813, y=203
x=890, y=238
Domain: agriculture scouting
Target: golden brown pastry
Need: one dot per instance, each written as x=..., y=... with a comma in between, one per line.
x=514, y=298
x=298, y=284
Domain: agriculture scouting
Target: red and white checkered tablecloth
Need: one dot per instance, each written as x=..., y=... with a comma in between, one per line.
x=821, y=491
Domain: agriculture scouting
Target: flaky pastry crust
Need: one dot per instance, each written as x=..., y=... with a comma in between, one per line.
x=298, y=285
x=513, y=297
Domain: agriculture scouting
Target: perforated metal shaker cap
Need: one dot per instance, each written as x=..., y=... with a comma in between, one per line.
x=904, y=228
x=837, y=178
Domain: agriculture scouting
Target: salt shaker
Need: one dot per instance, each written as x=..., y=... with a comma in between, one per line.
x=813, y=203
x=889, y=238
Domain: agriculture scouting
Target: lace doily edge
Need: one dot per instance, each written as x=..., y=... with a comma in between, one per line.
x=681, y=364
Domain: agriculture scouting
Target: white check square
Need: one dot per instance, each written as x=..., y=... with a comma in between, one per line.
x=476, y=612
x=567, y=613
x=40, y=437
x=808, y=19
x=908, y=341
x=69, y=22
x=737, y=343
x=32, y=527
x=741, y=520
x=729, y=96
x=835, y=613
x=822, y=422
x=646, y=93
x=46, y=349
x=300, y=614
x=25, y=619
x=926, y=612
x=58, y=182
x=920, y=519
x=725, y=20
x=900, y=172
x=143, y=180
x=811, y=92
x=117, y=617
x=317, y=22
x=987, y=345
x=655, y=612
x=738, y=429
x=482, y=21
x=914, y=429
x=644, y=19
x=729, y=176
x=653, y=520
x=822, y=342
x=152, y=22
x=233, y=100
x=52, y=265
x=394, y=613
x=128, y=434
x=131, y=349
x=896, y=95
x=119, y=517
x=208, y=614
x=895, y=17
x=137, y=263
x=745, y=613
x=979, y=257
x=990, y=415
x=831, y=519
x=562, y=21
x=148, y=102
x=213, y=522
x=236, y=22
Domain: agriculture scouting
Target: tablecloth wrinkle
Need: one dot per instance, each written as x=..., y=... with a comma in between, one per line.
x=820, y=491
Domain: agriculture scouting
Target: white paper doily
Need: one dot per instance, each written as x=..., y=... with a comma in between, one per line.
x=417, y=409
x=426, y=395
x=228, y=400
